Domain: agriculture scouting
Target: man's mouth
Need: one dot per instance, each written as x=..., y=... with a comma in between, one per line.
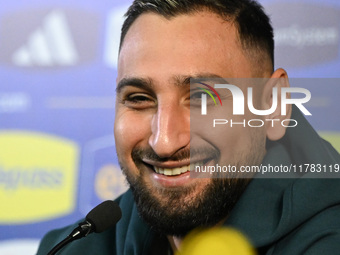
x=176, y=170
x=173, y=174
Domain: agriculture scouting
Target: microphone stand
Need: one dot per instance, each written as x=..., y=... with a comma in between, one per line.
x=82, y=230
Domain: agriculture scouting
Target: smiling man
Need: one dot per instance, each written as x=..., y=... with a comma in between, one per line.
x=158, y=56
x=167, y=48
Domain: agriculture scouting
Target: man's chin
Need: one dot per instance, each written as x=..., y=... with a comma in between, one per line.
x=178, y=210
x=176, y=196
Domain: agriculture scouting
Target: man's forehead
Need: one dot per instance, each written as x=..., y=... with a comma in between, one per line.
x=185, y=44
x=192, y=25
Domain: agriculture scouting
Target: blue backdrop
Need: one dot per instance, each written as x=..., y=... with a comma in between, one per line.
x=57, y=79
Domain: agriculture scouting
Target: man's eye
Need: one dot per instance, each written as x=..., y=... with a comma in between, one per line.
x=137, y=98
x=196, y=95
x=139, y=101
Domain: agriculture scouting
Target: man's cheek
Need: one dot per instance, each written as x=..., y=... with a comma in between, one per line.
x=123, y=135
x=131, y=129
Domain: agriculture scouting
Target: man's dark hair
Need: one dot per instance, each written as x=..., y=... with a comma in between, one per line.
x=253, y=25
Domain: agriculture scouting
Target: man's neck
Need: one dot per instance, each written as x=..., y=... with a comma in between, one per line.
x=175, y=242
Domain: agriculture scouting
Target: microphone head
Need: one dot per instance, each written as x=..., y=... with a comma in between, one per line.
x=217, y=241
x=104, y=216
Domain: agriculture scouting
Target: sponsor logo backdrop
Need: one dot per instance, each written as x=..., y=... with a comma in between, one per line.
x=58, y=63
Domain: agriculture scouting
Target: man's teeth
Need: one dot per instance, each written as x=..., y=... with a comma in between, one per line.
x=177, y=170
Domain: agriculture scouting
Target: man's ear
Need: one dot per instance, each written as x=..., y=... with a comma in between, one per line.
x=274, y=129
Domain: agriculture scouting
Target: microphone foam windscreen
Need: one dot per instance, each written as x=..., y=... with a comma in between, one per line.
x=217, y=241
x=104, y=216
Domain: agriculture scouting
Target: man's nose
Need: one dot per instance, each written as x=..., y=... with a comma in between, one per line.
x=170, y=129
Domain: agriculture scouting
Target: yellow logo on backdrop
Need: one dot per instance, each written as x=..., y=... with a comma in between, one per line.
x=37, y=177
x=109, y=182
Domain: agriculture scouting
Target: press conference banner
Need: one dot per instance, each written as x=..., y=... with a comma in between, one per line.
x=58, y=66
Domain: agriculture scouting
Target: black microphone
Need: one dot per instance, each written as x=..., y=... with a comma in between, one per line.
x=99, y=219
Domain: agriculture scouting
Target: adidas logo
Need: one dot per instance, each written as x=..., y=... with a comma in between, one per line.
x=114, y=23
x=49, y=45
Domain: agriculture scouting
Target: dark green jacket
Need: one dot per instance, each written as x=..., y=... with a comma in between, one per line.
x=290, y=216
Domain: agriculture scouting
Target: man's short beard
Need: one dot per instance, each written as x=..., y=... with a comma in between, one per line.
x=177, y=217
x=175, y=214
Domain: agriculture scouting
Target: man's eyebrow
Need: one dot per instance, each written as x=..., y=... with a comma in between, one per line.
x=196, y=78
x=178, y=80
x=145, y=83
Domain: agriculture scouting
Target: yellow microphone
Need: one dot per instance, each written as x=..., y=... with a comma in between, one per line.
x=216, y=241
